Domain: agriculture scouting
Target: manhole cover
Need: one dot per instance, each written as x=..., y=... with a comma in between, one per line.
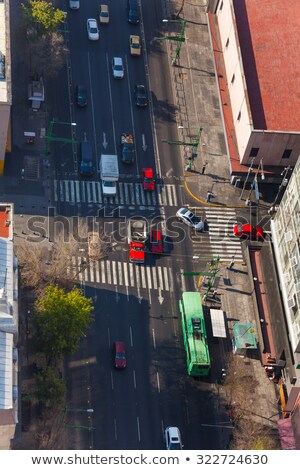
x=32, y=168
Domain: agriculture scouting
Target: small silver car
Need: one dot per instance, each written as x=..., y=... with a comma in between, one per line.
x=74, y=4
x=173, y=438
x=92, y=29
x=187, y=216
x=117, y=67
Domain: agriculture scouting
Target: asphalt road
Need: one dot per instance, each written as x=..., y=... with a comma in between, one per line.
x=138, y=305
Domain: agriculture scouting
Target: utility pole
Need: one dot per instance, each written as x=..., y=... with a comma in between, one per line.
x=284, y=183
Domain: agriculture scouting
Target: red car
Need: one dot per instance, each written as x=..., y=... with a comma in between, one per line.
x=248, y=231
x=156, y=241
x=147, y=179
x=119, y=355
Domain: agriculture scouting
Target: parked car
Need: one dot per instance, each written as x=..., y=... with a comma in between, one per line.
x=147, y=179
x=173, y=438
x=117, y=67
x=74, y=4
x=189, y=218
x=81, y=95
x=156, y=241
x=251, y=232
x=119, y=355
x=104, y=14
x=140, y=95
x=135, y=45
x=92, y=29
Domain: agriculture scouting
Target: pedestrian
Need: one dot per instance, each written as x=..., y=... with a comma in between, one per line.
x=203, y=167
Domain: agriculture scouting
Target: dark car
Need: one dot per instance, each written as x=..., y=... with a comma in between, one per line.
x=140, y=95
x=133, y=11
x=86, y=167
x=81, y=95
x=119, y=355
x=127, y=148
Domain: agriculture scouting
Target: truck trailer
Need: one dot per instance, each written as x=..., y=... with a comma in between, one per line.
x=109, y=174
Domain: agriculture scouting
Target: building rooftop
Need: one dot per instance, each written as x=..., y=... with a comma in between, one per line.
x=269, y=39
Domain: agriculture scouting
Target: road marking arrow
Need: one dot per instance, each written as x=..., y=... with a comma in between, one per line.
x=160, y=297
x=144, y=142
x=104, y=143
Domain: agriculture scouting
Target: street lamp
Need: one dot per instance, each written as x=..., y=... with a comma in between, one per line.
x=89, y=411
x=180, y=38
x=188, y=144
x=49, y=137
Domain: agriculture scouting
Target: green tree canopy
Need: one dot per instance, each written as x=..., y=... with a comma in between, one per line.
x=50, y=389
x=61, y=319
x=42, y=17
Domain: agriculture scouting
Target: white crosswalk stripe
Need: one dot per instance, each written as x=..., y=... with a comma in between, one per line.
x=219, y=241
x=90, y=192
x=106, y=272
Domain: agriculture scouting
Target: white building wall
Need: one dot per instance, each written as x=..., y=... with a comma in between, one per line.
x=271, y=143
x=286, y=239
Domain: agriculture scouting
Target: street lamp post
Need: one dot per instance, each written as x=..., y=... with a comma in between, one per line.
x=89, y=411
x=188, y=144
x=180, y=38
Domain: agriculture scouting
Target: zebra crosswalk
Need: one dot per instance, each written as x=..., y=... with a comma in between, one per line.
x=129, y=194
x=219, y=240
x=117, y=273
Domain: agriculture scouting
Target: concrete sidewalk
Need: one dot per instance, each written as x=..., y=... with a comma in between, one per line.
x=198, y=105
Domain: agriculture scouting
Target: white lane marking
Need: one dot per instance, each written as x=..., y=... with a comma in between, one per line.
x=138, y=428
x=131, y=337
x=158, y=382
x=108, y=272
x=111, y=103
x=114, y=272
x=103, y=272
x=134, y=379
x=120, y=272
x=153, y=337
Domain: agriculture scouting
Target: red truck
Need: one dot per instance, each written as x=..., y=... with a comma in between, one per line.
x=137, y=236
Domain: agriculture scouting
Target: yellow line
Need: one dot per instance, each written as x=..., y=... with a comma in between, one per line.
x=204, y=203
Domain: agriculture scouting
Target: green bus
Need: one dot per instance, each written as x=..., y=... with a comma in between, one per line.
x=194, y=334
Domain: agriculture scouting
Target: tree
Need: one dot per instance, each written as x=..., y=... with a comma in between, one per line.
x=50, y=389
x=41, y=17
x=42, y=263
x=60, y=319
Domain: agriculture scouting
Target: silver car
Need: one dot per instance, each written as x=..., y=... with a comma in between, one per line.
x=117, y=67
x=74, y=4
x=186, y=216
x=92, y=29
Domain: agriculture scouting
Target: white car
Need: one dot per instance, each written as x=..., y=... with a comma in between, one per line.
x=74, y=4
x=186, y=216
x=117, y=67
x=92, y=29
x=173, y=438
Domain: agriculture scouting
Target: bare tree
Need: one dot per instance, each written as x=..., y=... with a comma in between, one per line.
x=48, y=54
x=60, y=262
